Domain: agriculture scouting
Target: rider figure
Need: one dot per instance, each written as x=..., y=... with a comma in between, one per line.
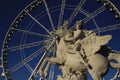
x=75, y=37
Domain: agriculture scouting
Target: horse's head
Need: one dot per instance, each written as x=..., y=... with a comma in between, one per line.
x=60, y=32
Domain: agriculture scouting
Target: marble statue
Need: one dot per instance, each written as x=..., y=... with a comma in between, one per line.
x=77, y=54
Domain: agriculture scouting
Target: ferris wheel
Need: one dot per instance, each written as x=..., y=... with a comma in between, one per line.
x=29, y=40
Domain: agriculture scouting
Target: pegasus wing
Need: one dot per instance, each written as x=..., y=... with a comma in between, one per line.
x=93, y=43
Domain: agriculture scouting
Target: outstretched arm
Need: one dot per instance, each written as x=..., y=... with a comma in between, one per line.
x=72, y=36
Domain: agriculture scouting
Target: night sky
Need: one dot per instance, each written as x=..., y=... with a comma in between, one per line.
x=10, y=9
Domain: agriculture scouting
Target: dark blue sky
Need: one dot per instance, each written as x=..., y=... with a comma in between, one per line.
x=10, y=9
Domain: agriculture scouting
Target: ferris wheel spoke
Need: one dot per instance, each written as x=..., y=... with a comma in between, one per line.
x=28, y=67
x=97, y=27
x=108, y=28
x=51, y=73
x=48, y=12
x=26, y=60
x=94, y=14
x=40, y=61
x=84, y=12
x=76, y=10
x=51, y=77
x=61, y=12
x=38, y=23
x=31, y=33
x=29, y=45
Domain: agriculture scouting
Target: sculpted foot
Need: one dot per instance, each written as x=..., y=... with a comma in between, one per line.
x=45, y=73
x=41, y=74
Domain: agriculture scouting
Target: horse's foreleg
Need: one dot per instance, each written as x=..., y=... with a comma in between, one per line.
x=49, y=60
x=56, y=60
x=41, y=68
x=46, y=69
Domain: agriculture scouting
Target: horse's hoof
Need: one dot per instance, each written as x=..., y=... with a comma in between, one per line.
x=41, y=74
x=45, y=73
x=112, y=79
x=118, y=76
